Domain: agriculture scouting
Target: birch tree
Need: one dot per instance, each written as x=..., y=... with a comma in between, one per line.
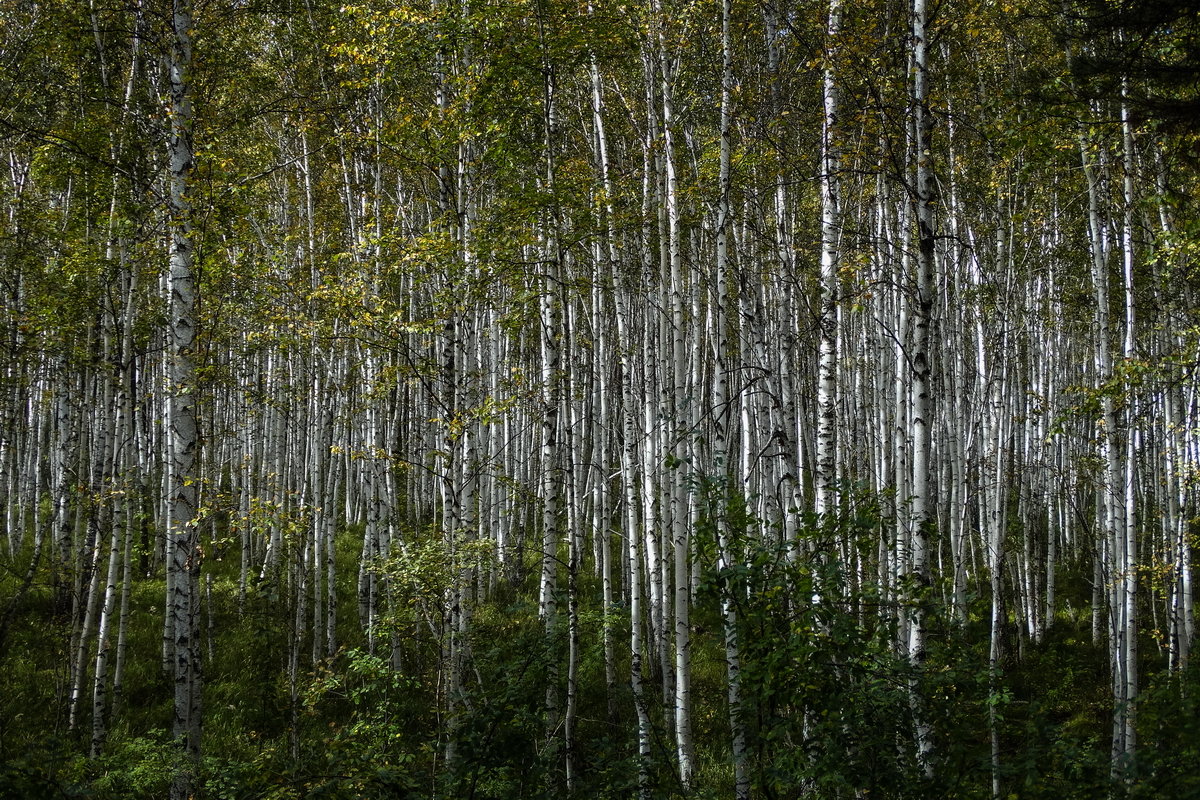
x=183, y=544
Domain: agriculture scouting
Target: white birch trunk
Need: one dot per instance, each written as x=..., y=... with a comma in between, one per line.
x=921, y=396
x=184, y=565
x=826, y=444
x=722, y=414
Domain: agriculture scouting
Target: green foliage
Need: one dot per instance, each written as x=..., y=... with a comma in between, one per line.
x=1169, y=715
x=501, y=737
x=825, y=688
x=137, y=767
x=370, y=745
x=41, y=772
x=826, y=696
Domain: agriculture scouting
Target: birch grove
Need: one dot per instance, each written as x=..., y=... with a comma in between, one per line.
x=556, y=399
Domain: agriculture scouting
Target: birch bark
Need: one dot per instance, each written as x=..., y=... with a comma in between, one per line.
x=921, y=396
x=183, y=533
x=722, y=414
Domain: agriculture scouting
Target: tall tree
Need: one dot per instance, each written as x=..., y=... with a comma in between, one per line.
x=183, y=542
x=921, y=413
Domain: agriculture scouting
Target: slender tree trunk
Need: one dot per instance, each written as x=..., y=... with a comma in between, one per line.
x=725, y=497
x=183, y=533
x=1129, y=587
x=921, y=395
x=826, y=445
x=551, y=324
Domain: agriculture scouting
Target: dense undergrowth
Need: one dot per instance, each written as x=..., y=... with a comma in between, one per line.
x=827, y=701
